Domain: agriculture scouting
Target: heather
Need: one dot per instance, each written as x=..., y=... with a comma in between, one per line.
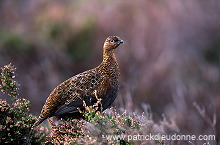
x=15, y=118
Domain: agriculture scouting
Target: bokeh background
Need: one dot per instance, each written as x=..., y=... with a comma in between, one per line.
x=170, y=61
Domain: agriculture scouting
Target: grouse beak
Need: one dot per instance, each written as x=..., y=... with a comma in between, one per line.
x=121, y=41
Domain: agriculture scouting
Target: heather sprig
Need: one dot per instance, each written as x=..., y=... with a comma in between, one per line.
x=8, y=85
x=15, y=120
x=15, y=123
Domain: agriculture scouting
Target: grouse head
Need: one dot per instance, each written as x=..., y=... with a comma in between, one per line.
x=112, y=42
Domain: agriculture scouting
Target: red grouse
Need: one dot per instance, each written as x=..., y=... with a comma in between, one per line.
x=101, y=82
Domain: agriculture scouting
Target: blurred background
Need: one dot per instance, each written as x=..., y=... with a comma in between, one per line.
x=170, y=60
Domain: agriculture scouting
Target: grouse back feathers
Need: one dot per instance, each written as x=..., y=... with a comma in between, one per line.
x=101, y=82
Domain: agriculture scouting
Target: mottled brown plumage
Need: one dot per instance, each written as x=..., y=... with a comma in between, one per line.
x=101, y=82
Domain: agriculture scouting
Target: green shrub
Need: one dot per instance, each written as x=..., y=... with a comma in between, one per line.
x=15, y=122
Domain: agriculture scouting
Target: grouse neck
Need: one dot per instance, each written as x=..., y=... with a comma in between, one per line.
x=109, y=57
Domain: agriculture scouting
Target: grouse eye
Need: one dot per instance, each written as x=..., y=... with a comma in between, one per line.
x=112, y=41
